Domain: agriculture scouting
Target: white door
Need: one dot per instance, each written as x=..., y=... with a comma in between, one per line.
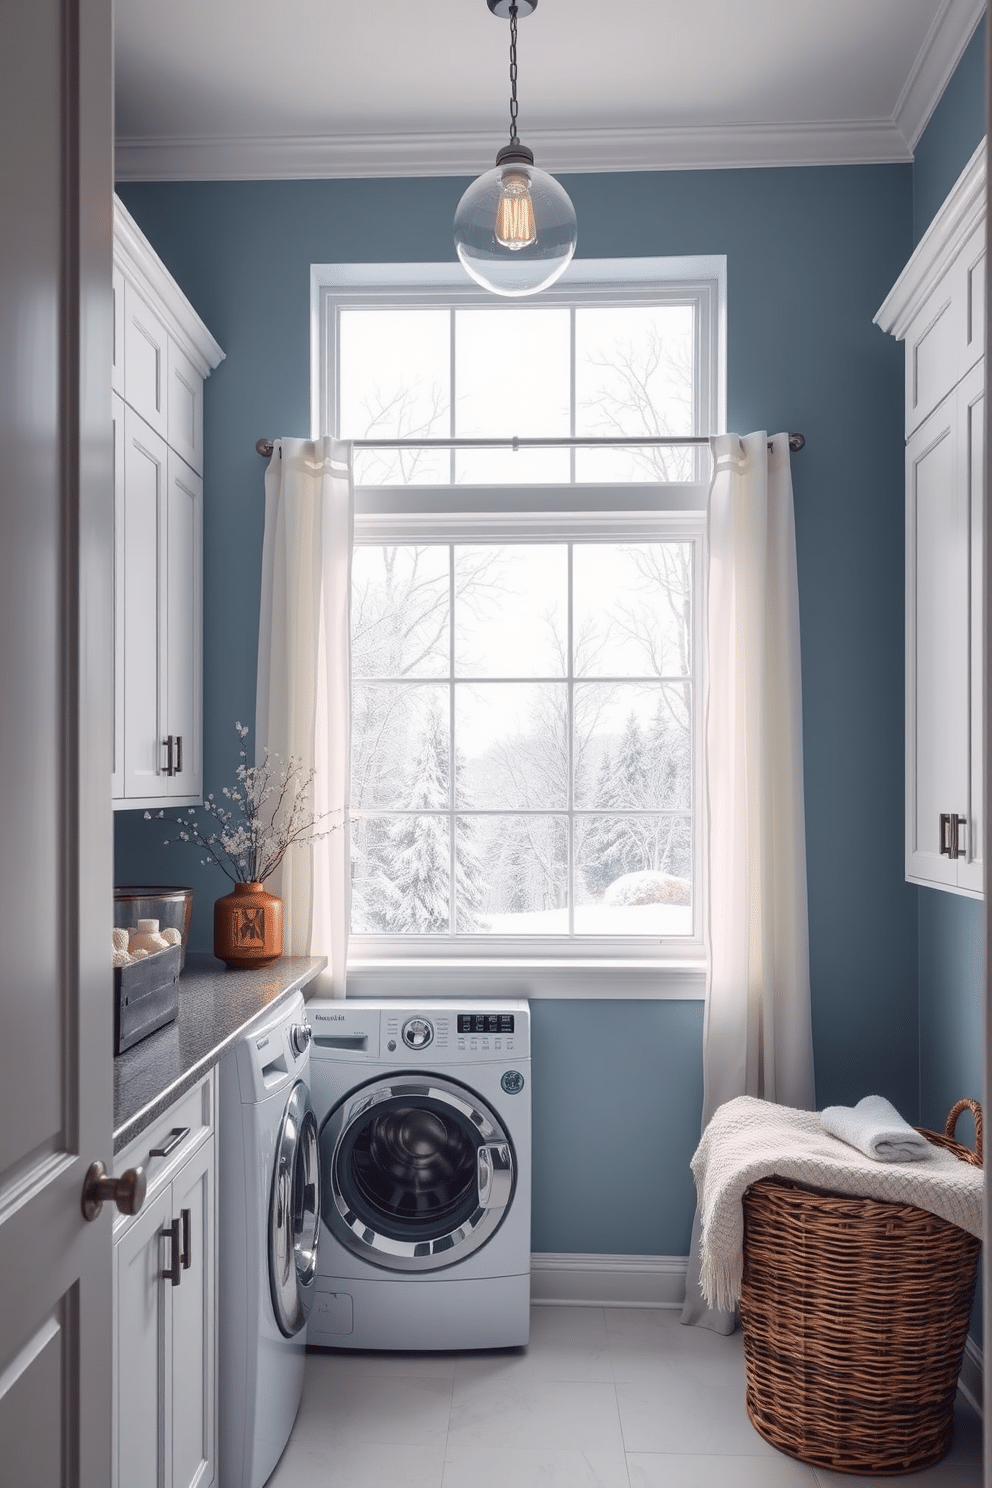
x=56, y=580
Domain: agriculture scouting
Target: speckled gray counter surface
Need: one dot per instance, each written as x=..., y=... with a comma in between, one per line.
x=215, y=1006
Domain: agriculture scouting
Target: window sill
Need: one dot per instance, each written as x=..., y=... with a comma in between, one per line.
x=621, y=980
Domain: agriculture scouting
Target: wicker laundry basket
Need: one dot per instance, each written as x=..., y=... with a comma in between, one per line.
x=855, y=1314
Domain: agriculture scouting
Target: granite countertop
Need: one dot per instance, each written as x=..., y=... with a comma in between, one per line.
x=215, y=1005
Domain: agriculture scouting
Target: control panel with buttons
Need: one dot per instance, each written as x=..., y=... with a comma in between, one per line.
x=418, y=1034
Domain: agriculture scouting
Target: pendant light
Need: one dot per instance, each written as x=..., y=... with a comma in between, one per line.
x=515, y=226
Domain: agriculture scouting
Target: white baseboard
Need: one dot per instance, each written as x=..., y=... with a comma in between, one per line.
x=970, y=1380
x=564, y=1279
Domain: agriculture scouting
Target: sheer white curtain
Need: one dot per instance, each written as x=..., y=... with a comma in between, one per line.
x=757, y=1031
x=303, y=707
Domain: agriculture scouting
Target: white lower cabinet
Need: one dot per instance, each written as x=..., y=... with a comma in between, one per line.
x=165, y=1306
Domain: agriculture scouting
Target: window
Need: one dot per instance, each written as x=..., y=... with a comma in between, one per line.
x=525, y=624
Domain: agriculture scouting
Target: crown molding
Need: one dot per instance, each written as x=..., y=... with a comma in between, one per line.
x=962, y=211
x=952, y=30
x=142, y=267
x=342, y=157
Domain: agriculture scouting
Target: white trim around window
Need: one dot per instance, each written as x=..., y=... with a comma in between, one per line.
x=583, y=967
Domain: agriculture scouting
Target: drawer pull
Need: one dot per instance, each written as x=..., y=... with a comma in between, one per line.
x=176, y=1136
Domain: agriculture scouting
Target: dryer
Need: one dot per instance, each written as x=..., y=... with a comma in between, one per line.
x=424, y=1116
x=269, y=1199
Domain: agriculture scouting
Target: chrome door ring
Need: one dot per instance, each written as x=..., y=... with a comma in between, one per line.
x=495, y=1175
x=294, y=1213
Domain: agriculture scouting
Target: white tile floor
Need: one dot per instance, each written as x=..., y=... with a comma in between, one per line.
x=601, y=1398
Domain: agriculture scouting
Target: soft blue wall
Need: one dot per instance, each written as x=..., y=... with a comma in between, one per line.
x=952, y=134
x=811, y=255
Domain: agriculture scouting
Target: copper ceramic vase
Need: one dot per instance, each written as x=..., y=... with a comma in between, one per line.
x=248, y=927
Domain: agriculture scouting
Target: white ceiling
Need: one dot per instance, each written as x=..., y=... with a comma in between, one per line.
x=246, y=89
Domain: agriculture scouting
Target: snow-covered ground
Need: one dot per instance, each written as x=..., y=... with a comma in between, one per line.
x=597, y=919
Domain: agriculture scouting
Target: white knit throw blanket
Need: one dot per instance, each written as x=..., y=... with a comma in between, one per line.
x=748, y=1139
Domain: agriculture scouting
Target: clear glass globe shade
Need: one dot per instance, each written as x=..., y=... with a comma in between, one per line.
x=506, y=245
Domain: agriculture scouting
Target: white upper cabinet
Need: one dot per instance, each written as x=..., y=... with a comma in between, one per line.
x=937, y=307
x=162, y=354
x=146, y=356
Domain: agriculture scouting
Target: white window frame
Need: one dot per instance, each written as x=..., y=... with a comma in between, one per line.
x=586, y=967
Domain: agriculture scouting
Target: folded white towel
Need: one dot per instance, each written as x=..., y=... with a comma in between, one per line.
x=748, y=1139
x=875, y=1127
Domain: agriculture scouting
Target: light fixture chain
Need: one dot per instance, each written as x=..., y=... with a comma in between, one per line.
x=513, y=76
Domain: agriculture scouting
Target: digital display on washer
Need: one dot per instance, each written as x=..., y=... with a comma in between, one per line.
x=485, y=1022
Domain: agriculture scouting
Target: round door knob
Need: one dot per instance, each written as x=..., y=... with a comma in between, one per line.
x=299, y=1036
x=418, y=1033
x=127, y=1192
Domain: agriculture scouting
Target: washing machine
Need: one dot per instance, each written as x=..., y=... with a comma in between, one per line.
x=424, y=1116
x=268, y=1227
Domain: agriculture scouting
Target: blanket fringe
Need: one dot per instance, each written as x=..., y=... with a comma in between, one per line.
x=720, y=1281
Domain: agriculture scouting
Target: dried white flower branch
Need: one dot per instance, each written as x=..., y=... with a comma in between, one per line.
x=271, y=811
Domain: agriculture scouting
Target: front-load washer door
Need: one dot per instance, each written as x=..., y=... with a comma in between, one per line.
x=294, y=1213
x=416, y=1172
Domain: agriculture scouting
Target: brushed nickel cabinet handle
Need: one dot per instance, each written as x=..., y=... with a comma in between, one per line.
x=950, y=834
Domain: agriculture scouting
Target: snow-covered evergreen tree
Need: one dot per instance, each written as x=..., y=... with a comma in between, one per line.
x=469, y=866
x=416, y=861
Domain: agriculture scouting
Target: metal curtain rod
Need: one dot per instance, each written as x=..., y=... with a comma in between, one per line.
x=796, y=442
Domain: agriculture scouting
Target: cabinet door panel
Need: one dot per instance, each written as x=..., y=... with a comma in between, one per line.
x=145, y=477
x=932, y=349
x=193, y=1331
x=146, y=352
x=185, y=408
x=143, y=1325
x=183, y=627
x=971, y=275
x=937, y=624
